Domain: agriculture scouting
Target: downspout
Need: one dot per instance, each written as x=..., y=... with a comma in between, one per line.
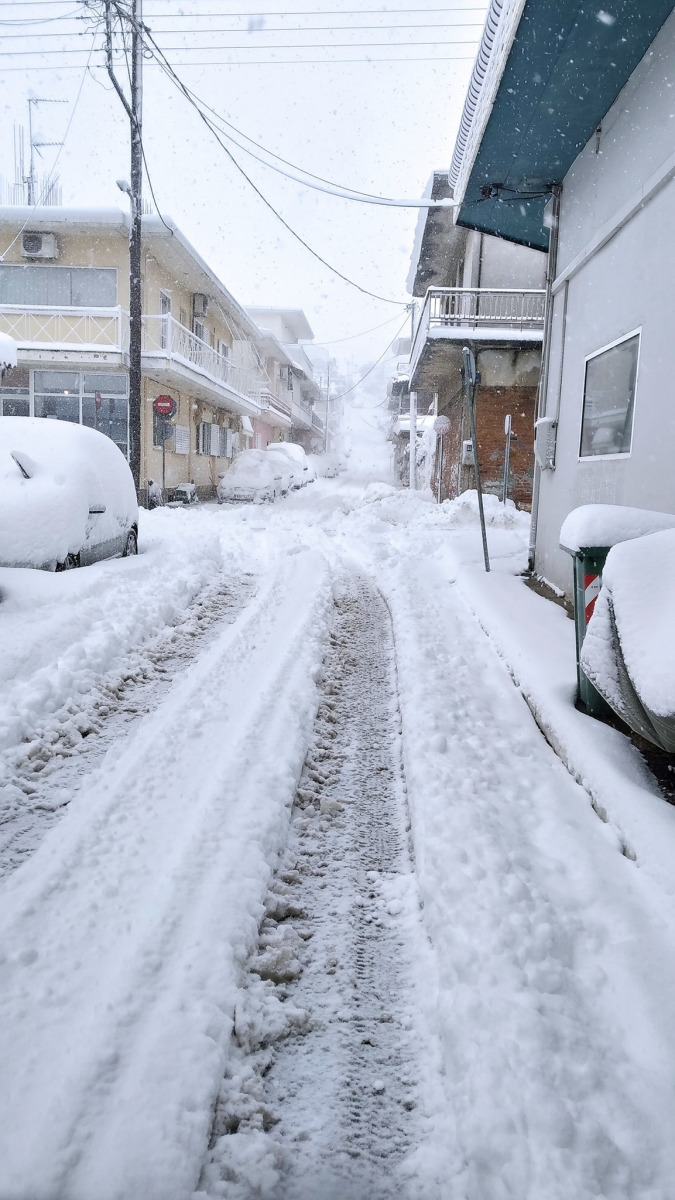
x=551, y=267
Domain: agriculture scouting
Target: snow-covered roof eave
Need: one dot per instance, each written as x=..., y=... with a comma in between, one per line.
x=420, y=226
x=499, y=31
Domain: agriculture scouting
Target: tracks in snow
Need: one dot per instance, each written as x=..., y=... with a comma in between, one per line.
x=321, y=1097
x=42, y=774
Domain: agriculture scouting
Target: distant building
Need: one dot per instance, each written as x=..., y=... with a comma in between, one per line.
x=288, y=326
x=480, y=292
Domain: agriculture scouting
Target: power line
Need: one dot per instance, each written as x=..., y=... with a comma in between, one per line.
x=257, y=49
x=249, y=32
x=178, y=82
x=352, y=336
x=375, y=364
x=276, y=62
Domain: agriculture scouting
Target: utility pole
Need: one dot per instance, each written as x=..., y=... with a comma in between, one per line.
x=412, y=455
x=470, y=379
x=133, y=106
x=325, y=437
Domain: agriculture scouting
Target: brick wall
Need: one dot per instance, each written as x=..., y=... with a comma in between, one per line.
x=492, y=406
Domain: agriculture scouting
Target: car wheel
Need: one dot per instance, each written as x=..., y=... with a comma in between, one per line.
x=70, y=562
x=131, y=546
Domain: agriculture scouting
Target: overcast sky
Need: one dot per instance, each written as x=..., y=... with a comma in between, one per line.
x=380, y=124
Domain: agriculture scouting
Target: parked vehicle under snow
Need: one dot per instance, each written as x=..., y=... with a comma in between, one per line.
x=66, y=494
x=253, y=477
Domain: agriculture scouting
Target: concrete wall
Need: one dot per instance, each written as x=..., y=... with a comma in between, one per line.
x=624, y=286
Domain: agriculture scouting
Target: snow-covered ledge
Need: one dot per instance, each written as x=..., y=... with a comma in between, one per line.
x=7, y=352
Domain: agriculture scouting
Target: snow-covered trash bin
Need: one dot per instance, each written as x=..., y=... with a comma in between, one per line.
x=629, y=650
x=588, y=534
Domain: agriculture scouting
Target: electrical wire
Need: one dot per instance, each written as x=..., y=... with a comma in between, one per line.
x=375, y=364
x=246, y=32
x=55, y=163
x=258, y=49
x=352, y=336
x=178, y=82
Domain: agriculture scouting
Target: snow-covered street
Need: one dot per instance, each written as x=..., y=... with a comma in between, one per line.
x=297, y=900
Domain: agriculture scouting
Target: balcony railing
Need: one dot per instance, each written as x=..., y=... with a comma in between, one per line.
x=468, y=309
x=269, y=399
x=164, y=337
x=46, y=328
x=317, y=422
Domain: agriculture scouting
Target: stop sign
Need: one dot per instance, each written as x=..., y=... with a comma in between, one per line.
x=164, y=406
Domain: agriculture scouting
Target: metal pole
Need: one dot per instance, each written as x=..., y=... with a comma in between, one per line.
x=325, y=437
x=469, y=380
x=135, y=234
x=413, y=440
x=440, y=471
x=31, y=173
x=551, y=268
x=507, y=455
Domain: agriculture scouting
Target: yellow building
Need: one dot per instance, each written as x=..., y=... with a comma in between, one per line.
x=64, y=299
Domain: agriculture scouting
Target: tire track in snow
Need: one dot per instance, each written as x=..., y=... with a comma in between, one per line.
x=320, y=1102
x=43, y=773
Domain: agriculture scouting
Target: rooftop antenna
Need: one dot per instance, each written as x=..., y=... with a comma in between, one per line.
x=30, y=179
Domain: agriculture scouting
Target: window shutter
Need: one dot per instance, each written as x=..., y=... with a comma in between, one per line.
x=214, y=440
x=181, y=439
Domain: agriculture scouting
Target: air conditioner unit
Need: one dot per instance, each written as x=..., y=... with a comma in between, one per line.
x=200, y=304
x=39, y=245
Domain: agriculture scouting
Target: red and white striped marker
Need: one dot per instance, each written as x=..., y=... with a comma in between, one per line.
x=592, y=585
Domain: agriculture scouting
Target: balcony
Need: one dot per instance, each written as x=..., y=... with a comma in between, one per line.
x=317, y=423
x=42, y=332
x=452, y=317
x=301, y=415
x=174, y=356
x=274, y=410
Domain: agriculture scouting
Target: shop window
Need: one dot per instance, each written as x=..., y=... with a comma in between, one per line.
x=609, y=399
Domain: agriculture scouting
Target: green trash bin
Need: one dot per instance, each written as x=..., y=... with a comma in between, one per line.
x=588, y=565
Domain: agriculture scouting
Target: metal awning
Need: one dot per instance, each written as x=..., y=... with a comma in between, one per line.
x=564, y=67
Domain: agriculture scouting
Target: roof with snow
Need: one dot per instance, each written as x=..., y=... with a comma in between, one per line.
x=437, y=241
x=546, y=73
x=293, y=319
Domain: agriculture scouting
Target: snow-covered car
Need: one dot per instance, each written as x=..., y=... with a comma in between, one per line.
x=185, y=493
x=296, y=458
x=67, y=495
x=329, y=465
x=253, y=477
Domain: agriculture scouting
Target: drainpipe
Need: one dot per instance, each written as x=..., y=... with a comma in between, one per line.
x=551, y=268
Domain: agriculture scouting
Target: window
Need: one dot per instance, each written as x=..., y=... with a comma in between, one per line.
x=609, y=399
x=200, y=331
x=94, y=398
x=165, y=312
x=42, y=286
x=15, y=393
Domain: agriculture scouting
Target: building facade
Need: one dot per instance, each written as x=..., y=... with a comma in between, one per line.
x=64, y=299
x=560, y=153
x=487, y=294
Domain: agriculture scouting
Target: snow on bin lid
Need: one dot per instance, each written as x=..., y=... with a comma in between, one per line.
x=606, y=524
x=7, y=351
x=639, y=579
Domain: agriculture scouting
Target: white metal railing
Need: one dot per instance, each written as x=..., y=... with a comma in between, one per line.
x=269, y=399
x=479, y=308
x=316, y=421
x=163, y=336
x=42, y=326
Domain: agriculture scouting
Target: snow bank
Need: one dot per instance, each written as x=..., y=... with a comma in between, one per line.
x=608, y=524
x=638, y=588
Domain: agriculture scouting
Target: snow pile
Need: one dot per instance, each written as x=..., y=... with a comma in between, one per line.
x=635, y=608
x=608, y=524
x=51, y=474
x=7, y=352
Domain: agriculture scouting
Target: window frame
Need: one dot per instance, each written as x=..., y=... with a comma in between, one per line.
x=621, y=455
x=64, y=267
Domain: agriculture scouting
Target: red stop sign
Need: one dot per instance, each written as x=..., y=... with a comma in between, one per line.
x=164, y=406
